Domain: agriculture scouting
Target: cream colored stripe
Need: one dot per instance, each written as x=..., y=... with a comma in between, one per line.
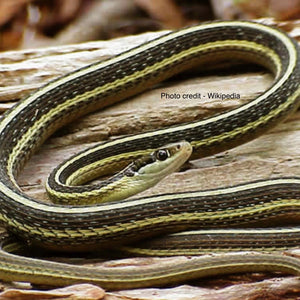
x=291, y=230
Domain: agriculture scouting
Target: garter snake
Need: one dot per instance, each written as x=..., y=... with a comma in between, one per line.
x=25, y=127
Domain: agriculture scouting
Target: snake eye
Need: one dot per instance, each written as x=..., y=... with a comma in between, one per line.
x=162, y=154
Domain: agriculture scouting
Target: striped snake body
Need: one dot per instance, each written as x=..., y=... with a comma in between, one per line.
x=25, y=127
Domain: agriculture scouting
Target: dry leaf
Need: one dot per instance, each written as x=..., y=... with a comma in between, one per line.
x=166, y=11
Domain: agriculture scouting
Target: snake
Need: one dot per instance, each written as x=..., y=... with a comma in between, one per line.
x=91, y=216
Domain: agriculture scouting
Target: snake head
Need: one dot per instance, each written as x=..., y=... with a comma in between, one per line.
x=151, y=168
